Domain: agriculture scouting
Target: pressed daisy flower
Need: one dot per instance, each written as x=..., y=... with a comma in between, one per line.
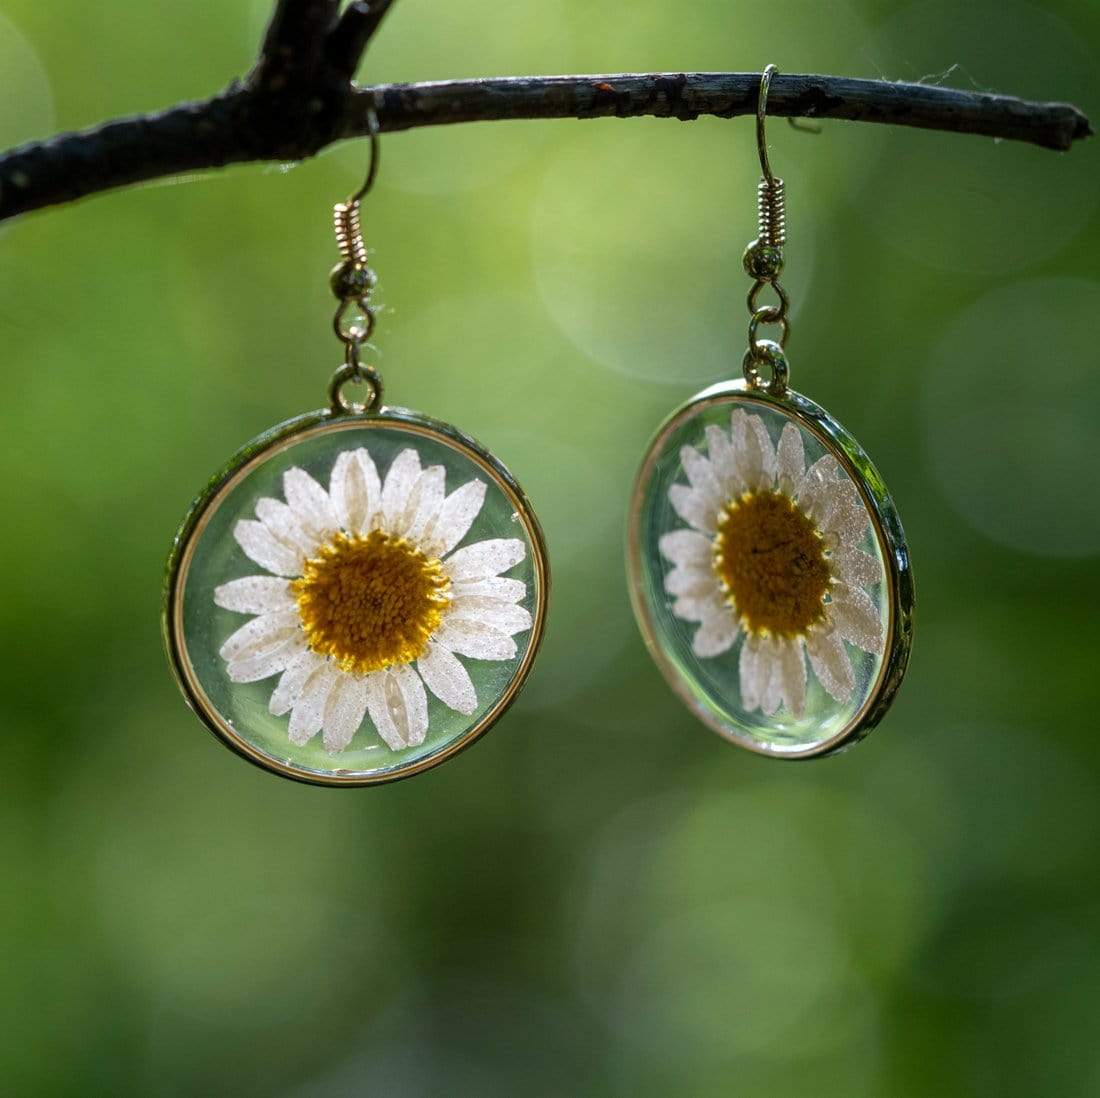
x=368, y=600
x=772, y=558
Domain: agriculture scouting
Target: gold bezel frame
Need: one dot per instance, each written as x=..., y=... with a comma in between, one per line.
x=244, y=461
x=887, y=531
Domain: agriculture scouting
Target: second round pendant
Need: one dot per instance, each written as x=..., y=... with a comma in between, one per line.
x=769, y=571
x=356, y=597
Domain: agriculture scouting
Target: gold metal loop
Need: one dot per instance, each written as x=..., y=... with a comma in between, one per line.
x=354, y=333
x=779, y=310
x=355, y=372
x=768, y=354
x=765, y=316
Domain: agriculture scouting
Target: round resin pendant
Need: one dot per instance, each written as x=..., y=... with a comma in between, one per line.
x=356, y=597
x=770, y=575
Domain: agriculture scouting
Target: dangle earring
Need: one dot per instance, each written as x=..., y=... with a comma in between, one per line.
x=361, y=591
x=769, y=572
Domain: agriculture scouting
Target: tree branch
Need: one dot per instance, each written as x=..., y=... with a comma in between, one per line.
x=688, y=95
x=300, y=98
x=292, y=48
x=353, y=30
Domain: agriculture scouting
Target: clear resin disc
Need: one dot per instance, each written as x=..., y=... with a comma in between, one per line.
x=769, y=572
x=356, y=597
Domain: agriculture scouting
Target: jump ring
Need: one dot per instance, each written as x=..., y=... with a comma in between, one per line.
x=759, y=318
x=357, y=372
x=784, y=300
x=766, y=352
x=354, y=333
x=768, y=314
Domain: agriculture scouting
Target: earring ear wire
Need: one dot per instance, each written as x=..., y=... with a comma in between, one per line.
x=352, y=281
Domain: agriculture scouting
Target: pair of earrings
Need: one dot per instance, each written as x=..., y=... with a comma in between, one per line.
x=360, y=593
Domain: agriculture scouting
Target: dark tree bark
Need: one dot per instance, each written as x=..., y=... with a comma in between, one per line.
x=300, y=97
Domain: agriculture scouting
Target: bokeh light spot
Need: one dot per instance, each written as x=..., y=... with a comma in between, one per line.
x=963, y=203
x=1009, y=416
x=639, y=245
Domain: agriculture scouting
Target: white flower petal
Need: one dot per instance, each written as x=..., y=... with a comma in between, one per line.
x=398, y=707
x=408, y=704
x=425, y=503
x=701, y=607
x=758, y=454
x=771, y=657
x=355, y=490
x=474, y=639
x=856, y=617
x=399, y=483
x=754, y=455
x=289, y=689
x=739, y=429
x=378, y=707
x=715, y=636
x=457, y=515
x=687, y=548
x=260, y=545
x=254, y=595
x=695, y=509
x=310, y=504
x=813, y=489
x=260, y=635
x=308, y=714
x=506, y=617
x=844, y=517
x=767, y=448
x=484, y=559
x=494, y=587
x=724, y=461
x=265, y=663
x=344, y=711
x=753, y=672
x=447, y=679
x=792, y=676
x=830, y=663
x=855, y=567
x=790, y=459
x=284, y=525
x=701, y=476
x=836, y=495
x=691, y=581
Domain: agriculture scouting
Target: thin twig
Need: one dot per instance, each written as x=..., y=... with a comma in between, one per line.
x=300, y=98
x=293, y=44
x=688, y=95
x=353, y=30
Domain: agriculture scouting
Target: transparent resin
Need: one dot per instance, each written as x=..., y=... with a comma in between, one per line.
x=769, y=572
x=323, y=619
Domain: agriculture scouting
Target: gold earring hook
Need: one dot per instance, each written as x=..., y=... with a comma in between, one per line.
x=763, y=261
x=349, y=234
x=761, y=116
x=352, y=281
x=375, y=159
x=761, y=120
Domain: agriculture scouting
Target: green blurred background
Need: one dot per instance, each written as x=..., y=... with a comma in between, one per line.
x=601, y=897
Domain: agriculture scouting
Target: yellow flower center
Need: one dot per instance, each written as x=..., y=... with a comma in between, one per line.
x=770, y=559
x=371, y=601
